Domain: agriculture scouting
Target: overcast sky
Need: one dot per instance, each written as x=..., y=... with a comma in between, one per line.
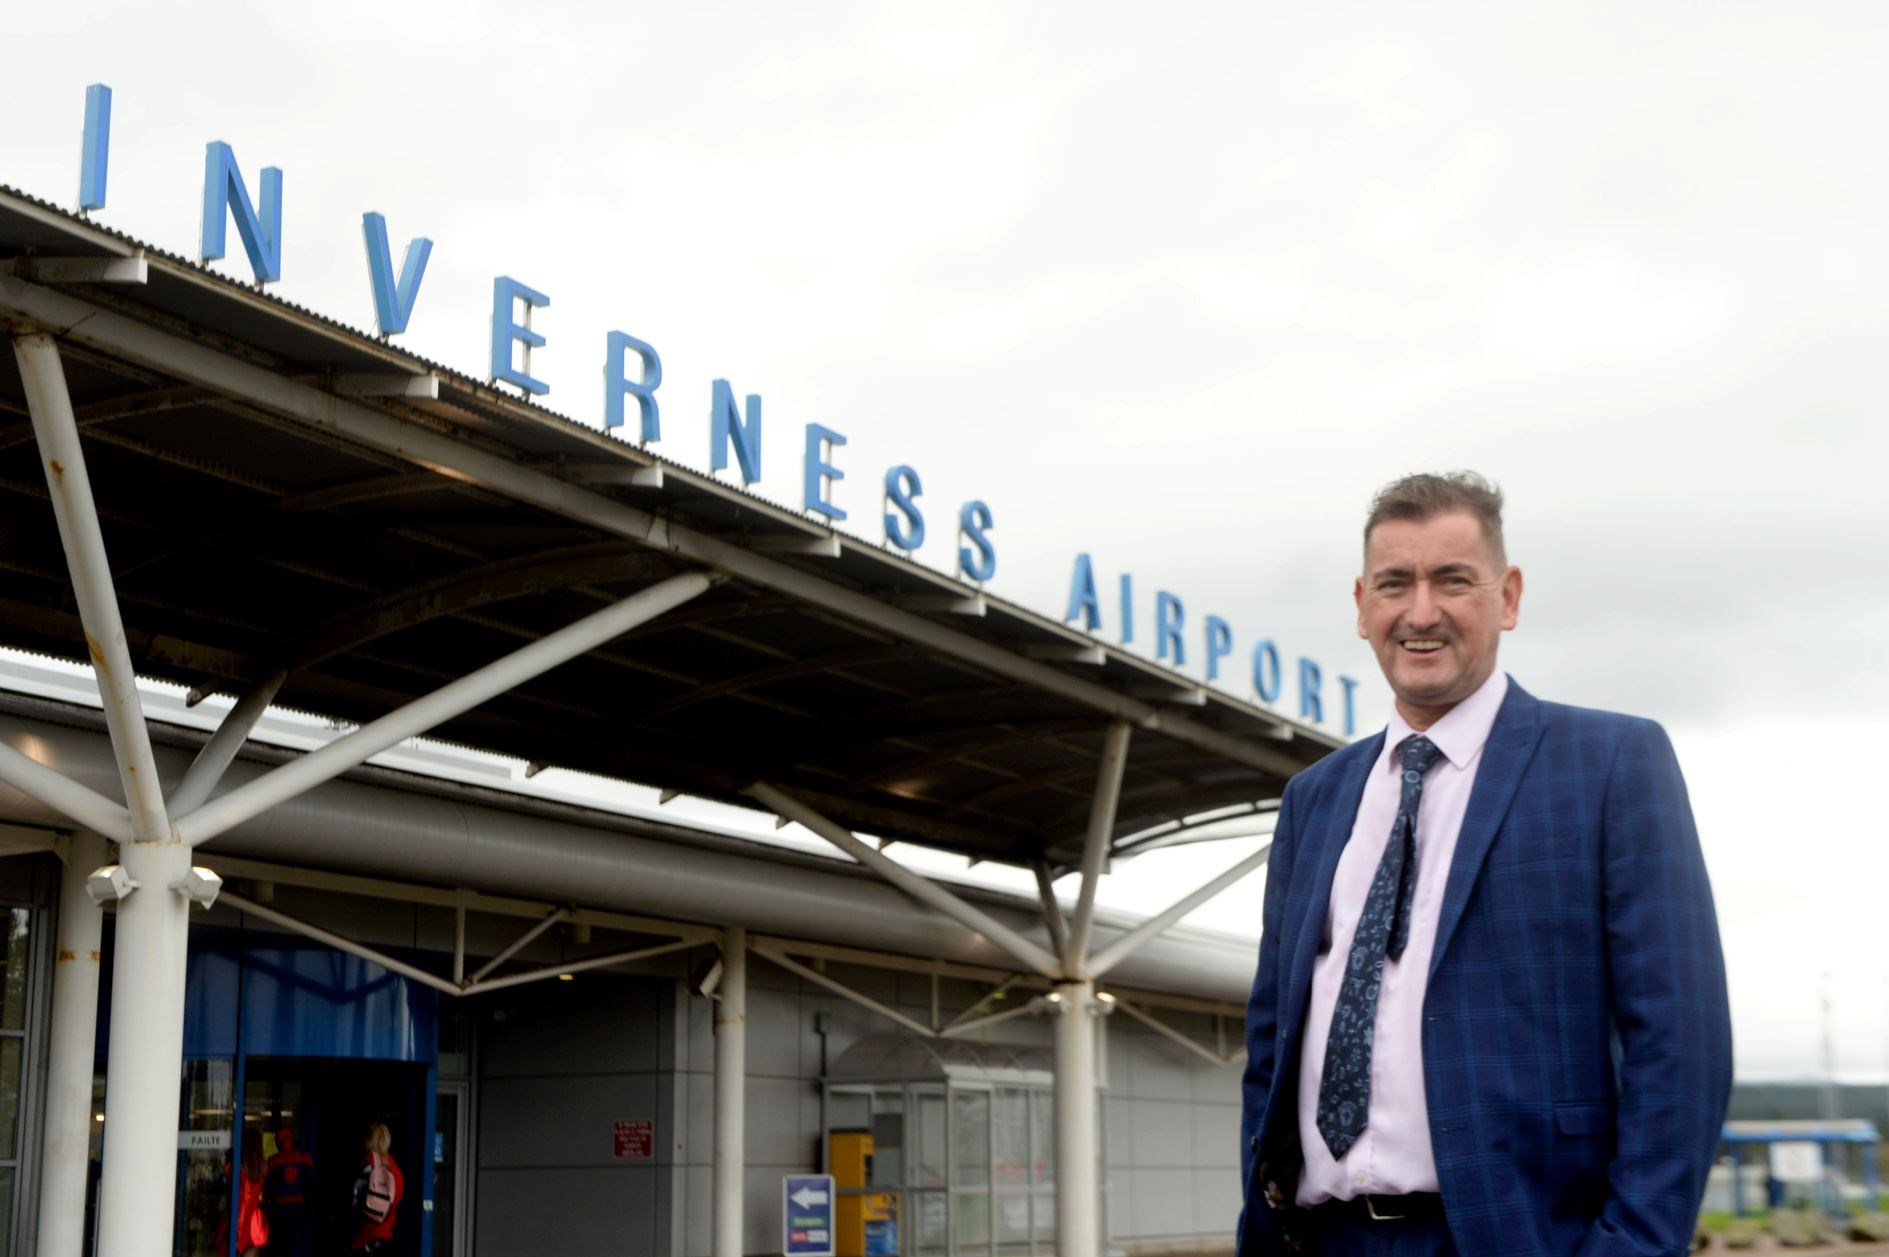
x=1182, y=291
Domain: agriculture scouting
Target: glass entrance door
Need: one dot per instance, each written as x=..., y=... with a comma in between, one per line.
x=451, y=1174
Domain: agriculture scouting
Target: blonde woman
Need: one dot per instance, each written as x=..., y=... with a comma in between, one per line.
x=377, y=1192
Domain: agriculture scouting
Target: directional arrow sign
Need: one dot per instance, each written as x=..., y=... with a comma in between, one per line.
x=807, y=1215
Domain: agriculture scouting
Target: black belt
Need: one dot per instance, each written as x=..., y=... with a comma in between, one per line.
x=1415, y=1205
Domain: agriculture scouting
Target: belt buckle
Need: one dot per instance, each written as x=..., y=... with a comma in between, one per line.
x=1370, y=1206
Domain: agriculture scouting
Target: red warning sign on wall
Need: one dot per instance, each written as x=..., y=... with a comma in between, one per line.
x=635, y=1138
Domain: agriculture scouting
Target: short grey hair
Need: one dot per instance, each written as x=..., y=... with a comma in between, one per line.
x=1426, y=495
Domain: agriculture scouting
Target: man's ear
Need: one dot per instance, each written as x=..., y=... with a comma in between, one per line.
x=1511, y=597
x=1357, y=596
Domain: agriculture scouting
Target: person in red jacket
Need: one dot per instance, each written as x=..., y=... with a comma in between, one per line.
x=377, y=1192
x=252, y=1227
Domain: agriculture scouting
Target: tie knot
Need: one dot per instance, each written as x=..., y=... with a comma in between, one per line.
x=1416, y=753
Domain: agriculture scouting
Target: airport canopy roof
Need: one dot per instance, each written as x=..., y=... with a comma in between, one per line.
x=279, y=491
x=908, y=1058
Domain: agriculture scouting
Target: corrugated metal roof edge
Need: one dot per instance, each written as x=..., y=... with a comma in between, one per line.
x=519, y=410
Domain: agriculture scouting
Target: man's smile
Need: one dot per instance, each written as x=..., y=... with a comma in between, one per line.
x=1422, y=645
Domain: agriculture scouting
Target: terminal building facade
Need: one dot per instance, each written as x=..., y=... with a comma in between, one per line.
x=589, y=1029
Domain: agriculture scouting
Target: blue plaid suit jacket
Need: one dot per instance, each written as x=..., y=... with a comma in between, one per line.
x=1577, y=1048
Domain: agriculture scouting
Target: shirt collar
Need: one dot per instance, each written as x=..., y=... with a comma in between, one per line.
x=1461, y=732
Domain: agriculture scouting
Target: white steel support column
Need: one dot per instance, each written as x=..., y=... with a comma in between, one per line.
x=731, y=1079
x=1078, y=1198
x=138, y=1188
x=1108, y=793
x=65, y=1150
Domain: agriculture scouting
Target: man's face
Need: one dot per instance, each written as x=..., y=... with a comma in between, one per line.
x=1433, y=602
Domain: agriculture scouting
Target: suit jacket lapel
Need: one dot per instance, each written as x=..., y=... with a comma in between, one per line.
x=1331, y=830
x=1506, y=754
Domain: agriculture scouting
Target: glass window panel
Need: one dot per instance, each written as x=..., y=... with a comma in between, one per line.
x=204, y=1162
x=1043, y=1119
x=973, y=1220
x=1043, y=1213
x=970, y=1135
x=888, y=1151
x=18, y=924
x=928, y=1143
x=445, y=1173
x=931, y=1223
x=849, y=1110
x=1010, y=1128
x=7, y=1177
x=11, y=1051
x=1013, y=1222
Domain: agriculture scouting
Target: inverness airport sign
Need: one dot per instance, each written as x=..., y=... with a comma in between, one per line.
x=633, y=373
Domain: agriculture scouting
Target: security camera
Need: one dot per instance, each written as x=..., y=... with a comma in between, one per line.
x=109, y=883
x=199, y=886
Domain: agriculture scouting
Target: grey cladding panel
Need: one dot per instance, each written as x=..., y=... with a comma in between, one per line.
x=1216, y=1135
x=1216, y=1201
x=600, y=1026
x=1161, y=1204
x=563, y=1121
x=532, y=1213
x=1163, y=1135
x=699, y=1124
x=775, y=1136
x=774, y=1033
x=1158, y=1070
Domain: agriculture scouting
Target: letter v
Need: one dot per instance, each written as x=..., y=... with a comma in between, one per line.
x=393, y=304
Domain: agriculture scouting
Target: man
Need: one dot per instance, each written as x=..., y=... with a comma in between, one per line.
x=1490, y=1013
x=288, y=1193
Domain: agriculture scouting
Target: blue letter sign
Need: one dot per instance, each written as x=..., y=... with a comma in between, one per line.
x=1311, y=692
x=1266, y=671
x=223, y=192
x=902, y=487
x=1351, y=704
x=817, y=471
x=1083, y=600
x=616, y=383
x=393, y=303
x=98, y=145
x=1168, y=617
x=1219, y=645
x=506, y=294
x=724, y=421
x=974, y=522
x=807, y=1215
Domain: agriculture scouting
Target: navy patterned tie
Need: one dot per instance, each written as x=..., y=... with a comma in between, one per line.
x=1344, y=1092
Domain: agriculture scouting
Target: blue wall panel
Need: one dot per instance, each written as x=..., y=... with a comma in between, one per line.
x=294, y=1001
x=317, y=1002
x=212, y=978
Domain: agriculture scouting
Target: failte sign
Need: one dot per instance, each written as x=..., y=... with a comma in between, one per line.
x=633, y=372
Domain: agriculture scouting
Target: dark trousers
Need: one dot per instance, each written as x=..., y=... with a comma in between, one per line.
x=291, y=1233
x=1352, y=1236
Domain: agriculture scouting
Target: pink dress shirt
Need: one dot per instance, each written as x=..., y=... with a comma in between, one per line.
x=1393, y=1155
